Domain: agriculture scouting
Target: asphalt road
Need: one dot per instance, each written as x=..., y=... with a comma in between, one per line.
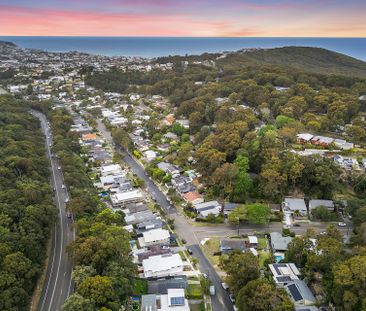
x=58, y=283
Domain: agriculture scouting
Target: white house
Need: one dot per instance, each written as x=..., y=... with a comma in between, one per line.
x=206, y=208
x=112, y=169
x=162, y=266
x=154, y=237
x=122, y=198
x=150, y=155
x=292, y=205
x=174, y=300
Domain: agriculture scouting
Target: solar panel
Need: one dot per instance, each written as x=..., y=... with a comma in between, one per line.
x=283, y=279
x=294, y=292
x=177, y=301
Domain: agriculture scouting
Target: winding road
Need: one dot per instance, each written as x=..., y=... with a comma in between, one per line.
x=58, y=282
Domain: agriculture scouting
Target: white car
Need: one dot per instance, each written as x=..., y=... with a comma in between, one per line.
x=63, y=187
x=225, y=286
x=59, y=167
x=342, y=224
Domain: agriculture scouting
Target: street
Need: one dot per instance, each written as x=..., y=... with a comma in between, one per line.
x=221, y=301
x=58, y=283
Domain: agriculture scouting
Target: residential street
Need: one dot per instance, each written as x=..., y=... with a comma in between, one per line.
x=194, y=233
x=58, y=283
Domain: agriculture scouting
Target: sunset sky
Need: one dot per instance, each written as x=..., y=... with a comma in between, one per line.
x=232, y=18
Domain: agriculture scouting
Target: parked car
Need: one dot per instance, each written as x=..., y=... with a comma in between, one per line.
x=232, y=298
x=342, y=224
x=63, y=187
x=184, y=241
x=225, y=286
x=212, y=290
x=68, y=215
x=190, y=252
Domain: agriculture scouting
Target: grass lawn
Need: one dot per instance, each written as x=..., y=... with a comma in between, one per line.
x=262, y=243
x=263, y=256
x=194, y=291
x=211, y=247
x=139, y=287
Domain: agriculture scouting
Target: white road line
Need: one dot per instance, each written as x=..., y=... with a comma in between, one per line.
x=44, y=127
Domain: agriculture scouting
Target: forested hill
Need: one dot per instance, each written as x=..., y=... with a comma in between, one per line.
x=308, y=59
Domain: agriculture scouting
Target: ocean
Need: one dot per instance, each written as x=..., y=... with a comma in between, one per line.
x=164, y=46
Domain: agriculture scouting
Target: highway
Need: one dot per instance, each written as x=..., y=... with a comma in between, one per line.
x=58, y=283
x=221, y=301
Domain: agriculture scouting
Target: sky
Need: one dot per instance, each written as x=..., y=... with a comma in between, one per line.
x=202, y=18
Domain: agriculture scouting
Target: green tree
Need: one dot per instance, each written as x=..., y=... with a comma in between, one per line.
x=76, y=302
x=258, y=213
x=260, y=295
x=240, y=268
x=98, y=289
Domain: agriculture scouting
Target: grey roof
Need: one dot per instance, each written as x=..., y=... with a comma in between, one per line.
x=231, y=244
x=161, y=286
x=295, y=204
x=299, y=291
x=279, y=242
x=316, y=203
x=148, y=303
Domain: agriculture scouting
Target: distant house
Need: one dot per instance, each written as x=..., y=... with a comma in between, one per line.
x=112, y=169
x=168, y=168
x=279, y=243
x=322, y=141
x=139, y=217
x=150, y=155
x=292, y=205
x=88, y=137
x=252, y=241
x=327, y=203
x=162, y=266
x=229, y=207
x=229, y=245
x=154, y=237
x=123, y=198
x=184, y=123
x=300, y=293
x=193, y=197
x=174, y=300
x=304, y=138
x=161, y=286
x=206, y=208
x=284, y=273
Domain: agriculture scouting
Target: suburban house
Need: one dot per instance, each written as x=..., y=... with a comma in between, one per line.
x=148, y=225
x=279, y=243
x=322, y=141
x=174, y=300
x=150, y=155
x=122, y=198
x=300, y=293
x=193, y=197
x=327, y=203
x=229, y=207
x=168, y=168
x=139, y=217
x=112, y=169
x=229, y=245
x=304, y=138
x=292, y=205
x=252, y=241
x=206, y=208
x=161, y=286
x=154, y=237
x=162, y=265
x=284, y=273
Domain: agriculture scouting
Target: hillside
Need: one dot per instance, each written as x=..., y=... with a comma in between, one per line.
x=308, y=59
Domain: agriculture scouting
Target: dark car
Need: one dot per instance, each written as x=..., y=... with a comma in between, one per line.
x=184, y=241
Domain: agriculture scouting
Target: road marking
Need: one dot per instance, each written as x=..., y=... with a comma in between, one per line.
x=44, y=128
